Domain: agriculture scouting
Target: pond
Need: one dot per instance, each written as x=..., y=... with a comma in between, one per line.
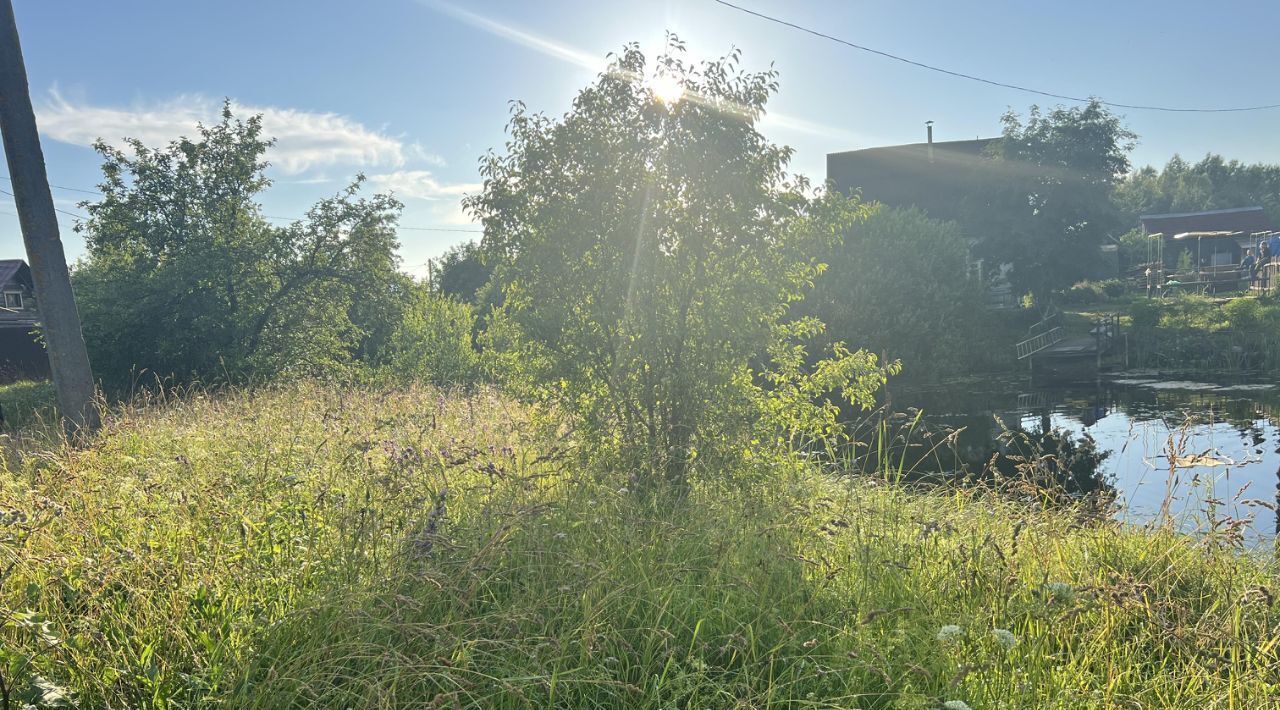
x=1223, y=439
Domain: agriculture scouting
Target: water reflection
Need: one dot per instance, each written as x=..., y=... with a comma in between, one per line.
x=1181, y=448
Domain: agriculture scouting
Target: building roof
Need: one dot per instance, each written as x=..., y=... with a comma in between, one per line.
x=15, y=270
x=1240, y=219
x=904, y=175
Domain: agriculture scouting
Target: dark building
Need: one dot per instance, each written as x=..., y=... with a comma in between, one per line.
x=1210, y=237
x=22, y=356
x=1240, y=219
x=936, y=177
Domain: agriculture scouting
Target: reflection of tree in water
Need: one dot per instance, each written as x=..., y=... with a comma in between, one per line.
x=1051, y=464
x=1045, y=463
x=1245, y=410
x=981, y=431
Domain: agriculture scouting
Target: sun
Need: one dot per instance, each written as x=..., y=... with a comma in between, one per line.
x=666, y=88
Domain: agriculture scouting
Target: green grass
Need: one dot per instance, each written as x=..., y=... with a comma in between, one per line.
x=27, y=404
x=286, y=548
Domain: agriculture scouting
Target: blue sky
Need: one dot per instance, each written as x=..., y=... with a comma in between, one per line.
x=412, y=92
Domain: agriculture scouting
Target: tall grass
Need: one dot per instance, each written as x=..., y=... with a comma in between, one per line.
x=311, y=546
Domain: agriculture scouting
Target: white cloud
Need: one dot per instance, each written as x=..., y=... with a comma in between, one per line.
x=421, y=154
x=304, y=139
x=421, y=185
x=321, y=179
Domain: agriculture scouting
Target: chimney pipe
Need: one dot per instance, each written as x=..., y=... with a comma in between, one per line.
x=929, y=128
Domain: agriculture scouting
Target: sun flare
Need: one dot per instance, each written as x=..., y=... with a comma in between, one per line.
x=666, y=88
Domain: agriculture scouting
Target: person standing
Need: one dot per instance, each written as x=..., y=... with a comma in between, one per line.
x=1249, y=267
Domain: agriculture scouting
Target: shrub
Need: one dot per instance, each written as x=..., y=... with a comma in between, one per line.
x=899, y=283
x=1083, y=293
x=1089, y=292
x=433, y=341
x=184, y=276
x=647, y=252
x=1145, y=314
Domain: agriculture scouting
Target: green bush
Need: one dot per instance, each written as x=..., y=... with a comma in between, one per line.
x=1084, y=293
x=184, y=277
x=1090, y=292
x=899, y=284
x=1254, y=332
x=1145, y=314
x=433, y=341
x=647, y=253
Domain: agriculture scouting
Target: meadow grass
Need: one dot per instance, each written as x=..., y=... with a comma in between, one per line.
x=27, y=404
x=314, y=546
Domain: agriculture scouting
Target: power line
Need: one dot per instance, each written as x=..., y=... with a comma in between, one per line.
x=72, y=189
x=55, y=209
x=289, y=219
x=979, y=79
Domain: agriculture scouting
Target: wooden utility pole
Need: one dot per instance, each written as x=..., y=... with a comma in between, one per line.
x=68, y=360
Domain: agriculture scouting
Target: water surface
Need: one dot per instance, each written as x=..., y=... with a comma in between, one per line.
x=1224, y=438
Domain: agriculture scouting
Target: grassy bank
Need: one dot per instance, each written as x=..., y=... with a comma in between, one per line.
x=1192, y=332
x=310, y=546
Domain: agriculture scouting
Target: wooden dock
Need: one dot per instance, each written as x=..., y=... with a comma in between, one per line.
x=1050, y=351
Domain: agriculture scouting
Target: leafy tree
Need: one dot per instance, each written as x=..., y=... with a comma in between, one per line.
x=185, y=277
x=647, y=251
x=1047, y=208
x=1212, y=183
x=433, y=340
x=899, y=283
x=462, y=271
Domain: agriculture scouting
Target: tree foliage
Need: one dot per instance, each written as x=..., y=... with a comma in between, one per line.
x=1210, y=184
x=432, y=341
x=1047, y=207
x=462, y=272
x=899, y=284
x=184, y=276
x=647, y=251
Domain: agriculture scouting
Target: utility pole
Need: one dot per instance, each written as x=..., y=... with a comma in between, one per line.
x=68, y=359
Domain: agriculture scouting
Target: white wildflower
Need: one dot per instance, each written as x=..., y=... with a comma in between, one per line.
x=561, y=535
x=955, y=705
x=949, y=632
x=1004, y=637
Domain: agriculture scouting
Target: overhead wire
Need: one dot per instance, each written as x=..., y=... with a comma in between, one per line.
x=991, y=82
x=55, y=209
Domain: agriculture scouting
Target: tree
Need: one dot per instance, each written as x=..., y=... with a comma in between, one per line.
x=184, y=276
x=647, y=250
x=462, y=271
x=1046, y=208
x=432, y=341
x=1213, y=183
x=899, y=283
